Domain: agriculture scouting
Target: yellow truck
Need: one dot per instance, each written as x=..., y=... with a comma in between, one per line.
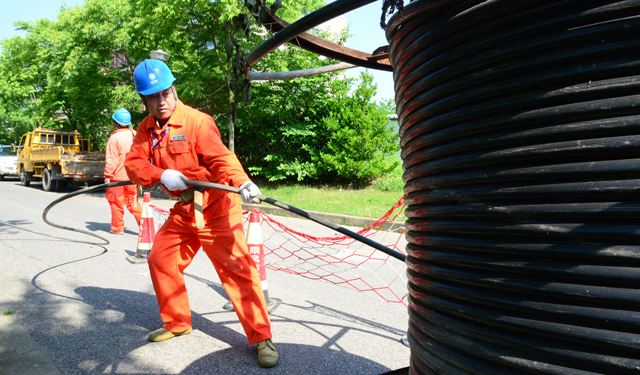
x=58, y=158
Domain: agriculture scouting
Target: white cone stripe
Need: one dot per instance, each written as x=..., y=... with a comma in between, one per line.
x=146, y=211
x=144, y=246
x=254, y=237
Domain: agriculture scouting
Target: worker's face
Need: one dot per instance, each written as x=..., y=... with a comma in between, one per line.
x=161, y=104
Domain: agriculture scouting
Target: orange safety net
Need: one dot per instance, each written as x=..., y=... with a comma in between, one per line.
x=339, y=260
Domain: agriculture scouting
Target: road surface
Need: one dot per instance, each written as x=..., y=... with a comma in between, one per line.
x=89, y=311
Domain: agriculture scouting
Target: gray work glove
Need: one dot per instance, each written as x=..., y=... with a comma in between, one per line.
x=249, y=192
x=173, y=180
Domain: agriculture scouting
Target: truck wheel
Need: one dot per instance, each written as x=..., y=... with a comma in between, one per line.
x=24, y=178
x=1, y=177
x=48, y=184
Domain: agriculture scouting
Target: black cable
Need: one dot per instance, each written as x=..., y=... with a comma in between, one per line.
x=76, y=193
x=520, y=136
x=305, y=214
x=212, y=185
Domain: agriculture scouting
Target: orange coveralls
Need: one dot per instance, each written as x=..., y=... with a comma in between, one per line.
x=190, y=143
x=117, y=147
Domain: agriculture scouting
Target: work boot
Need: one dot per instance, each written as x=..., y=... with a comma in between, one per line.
x=267, y=354
x=163, y=334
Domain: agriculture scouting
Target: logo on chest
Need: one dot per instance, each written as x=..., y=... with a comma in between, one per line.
x=179, y=137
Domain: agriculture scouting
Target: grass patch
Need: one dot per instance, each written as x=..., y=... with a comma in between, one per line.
x=9, y=312
x=367, y=202
x=372, y=201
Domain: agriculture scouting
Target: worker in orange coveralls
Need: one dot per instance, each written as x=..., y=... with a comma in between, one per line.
x=174, y=143
x=117, y=147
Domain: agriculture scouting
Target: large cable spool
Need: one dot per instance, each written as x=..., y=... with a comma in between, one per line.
x=520, y=133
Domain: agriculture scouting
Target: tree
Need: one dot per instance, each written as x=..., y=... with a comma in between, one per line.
x=311, y=128
x=22, y=80
x=90, y=74
x=74, y=73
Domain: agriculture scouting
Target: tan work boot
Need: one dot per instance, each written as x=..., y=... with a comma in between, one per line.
x=163, y=334
x=267, y=354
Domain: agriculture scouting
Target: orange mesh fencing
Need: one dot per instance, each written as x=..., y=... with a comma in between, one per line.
x=339, y=260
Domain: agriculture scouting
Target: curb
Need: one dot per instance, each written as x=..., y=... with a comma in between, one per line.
x=354, y=221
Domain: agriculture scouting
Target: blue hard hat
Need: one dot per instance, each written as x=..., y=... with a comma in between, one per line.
x=152, y=76
x=122, y=117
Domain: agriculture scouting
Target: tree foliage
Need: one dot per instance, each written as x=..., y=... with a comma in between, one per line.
x=360, y=138
x=75, y=72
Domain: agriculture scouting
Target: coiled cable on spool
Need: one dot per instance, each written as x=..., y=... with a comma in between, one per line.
x=520, y=137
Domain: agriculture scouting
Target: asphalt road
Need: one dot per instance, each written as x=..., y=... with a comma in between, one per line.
x=85, y=310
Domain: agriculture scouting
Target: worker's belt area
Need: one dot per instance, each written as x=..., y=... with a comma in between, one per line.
x=195, y=196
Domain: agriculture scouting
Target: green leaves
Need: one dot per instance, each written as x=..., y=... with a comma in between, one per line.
x=360, y=140
x=246, y=92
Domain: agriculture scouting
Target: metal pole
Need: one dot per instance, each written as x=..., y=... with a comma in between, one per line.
x=305, y=23
x=256, y=76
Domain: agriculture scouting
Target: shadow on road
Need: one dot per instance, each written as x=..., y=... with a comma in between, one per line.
x=104, y=330
x=109, y=335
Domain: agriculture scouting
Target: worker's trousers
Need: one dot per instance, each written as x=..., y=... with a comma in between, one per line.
x=118, y=198
x=222, y=239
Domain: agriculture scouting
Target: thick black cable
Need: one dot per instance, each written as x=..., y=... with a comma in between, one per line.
x=76, y=193
x=306, y=215
x=520, y=138
x=212, y=185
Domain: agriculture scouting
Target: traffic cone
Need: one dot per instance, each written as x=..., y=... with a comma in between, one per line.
x=256, y=250
x=146, y=234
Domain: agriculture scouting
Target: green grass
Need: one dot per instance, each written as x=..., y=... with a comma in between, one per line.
x=9, y=312
x=367, y=202
x=372, y=201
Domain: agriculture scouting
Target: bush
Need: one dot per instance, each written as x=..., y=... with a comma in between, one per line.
x=392, y=181
x=312, y=130
x=360, y=138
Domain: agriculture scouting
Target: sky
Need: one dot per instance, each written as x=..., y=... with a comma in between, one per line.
x=364, y=25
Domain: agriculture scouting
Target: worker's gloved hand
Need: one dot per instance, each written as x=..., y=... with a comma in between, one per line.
x=173, y=180
x=107, y=180
x=249, y=192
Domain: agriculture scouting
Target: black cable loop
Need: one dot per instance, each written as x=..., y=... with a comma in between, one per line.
x=614, y=63
x=479, y=49
x=76, y=193
x=232, y=189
